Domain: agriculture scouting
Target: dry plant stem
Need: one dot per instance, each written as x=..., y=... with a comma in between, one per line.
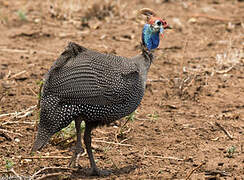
x=216, y=18
x=33, y=92
x=26, y=51
x=189, y=84
x=1, y=97
x=48, y=168
x=18, y=74
x=17, y=114
x=124, y=140
x=162, y=157
x=18, y=176
x=192, y=171
x=225, y=71
x=12, y=171
x=114, y=164
x=16, y=122
x=125, y=123
x=181, y=86
x=28, y=113
x=14, y=50
x=46, y=157
x=52, y=175
x=8, y=75
x=225, y=131
x=6, y=131
x=101, y=141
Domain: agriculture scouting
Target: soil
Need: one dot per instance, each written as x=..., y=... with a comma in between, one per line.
x=191, y=120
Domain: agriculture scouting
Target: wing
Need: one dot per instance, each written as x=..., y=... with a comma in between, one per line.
x=89, y=77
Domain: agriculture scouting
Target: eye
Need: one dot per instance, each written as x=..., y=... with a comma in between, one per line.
x=159, y=23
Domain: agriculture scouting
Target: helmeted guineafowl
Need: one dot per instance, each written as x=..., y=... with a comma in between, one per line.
x=85, y=85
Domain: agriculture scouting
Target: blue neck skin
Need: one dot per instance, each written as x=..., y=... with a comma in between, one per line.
x=150, y=37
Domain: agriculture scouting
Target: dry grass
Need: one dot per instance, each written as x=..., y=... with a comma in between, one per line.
x=86, y=9
x=102, y=10
x=230, y=58
x=65, y=9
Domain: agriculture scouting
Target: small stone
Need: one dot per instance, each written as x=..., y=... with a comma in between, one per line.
x=37, y=20
x=192, y=20
x=17, y=140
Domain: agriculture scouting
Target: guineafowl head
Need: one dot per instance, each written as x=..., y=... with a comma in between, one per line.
x=152, y=30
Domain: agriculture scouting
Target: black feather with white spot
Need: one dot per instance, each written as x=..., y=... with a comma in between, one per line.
x=99, y=88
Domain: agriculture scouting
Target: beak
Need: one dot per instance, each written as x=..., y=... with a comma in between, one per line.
x=168, y=27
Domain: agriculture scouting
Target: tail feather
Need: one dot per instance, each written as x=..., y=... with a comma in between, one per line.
x=42, y=139
x=53, y=118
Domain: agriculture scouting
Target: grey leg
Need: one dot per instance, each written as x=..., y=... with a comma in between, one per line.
x=87, y=140
x=78, y=148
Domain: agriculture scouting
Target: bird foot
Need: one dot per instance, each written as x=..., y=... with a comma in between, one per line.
x=99, y=172
x=74, y=161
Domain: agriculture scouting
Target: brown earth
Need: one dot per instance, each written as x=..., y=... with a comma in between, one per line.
x=195, y=81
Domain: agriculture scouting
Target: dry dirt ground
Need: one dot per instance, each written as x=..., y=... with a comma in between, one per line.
x=195, y=90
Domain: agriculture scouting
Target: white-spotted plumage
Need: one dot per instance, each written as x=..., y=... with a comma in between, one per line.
x=90, y=86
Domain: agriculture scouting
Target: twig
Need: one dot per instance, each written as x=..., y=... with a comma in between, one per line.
x=128, y=119
x=4, y=130
x=192, y=171
x=17, y=122
x=124, y=140
x=12, y=171
x=8, y=75
x=17, y=114
x=18, y=74
x=189, y=84
x=2, y=96
x=101, y=141
x=26, y=51
x=53, y=168
x=46, y=157
x=28, y=113
x=33, y=92
x=225, y=131
x=225, y=71
x=162, y=157
x=14, y=50
x=211, y=17
x=181, y=84
x=52, y=174
x=18, y=176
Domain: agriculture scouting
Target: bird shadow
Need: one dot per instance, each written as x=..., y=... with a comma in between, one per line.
x=79, y=173
x=85, y=172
